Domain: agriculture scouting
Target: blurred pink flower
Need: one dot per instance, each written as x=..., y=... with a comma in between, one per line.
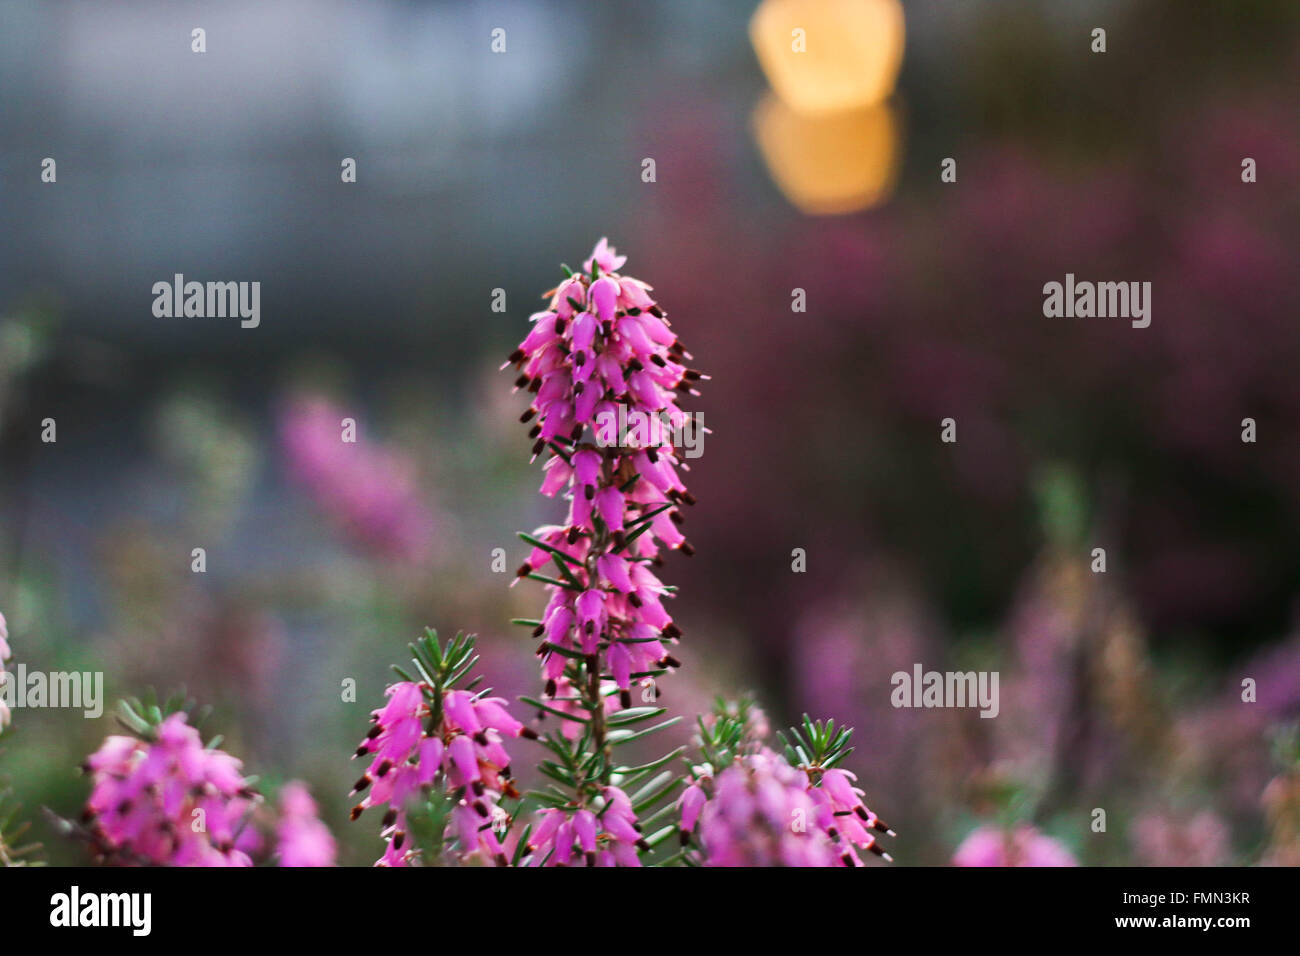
x=1022, y=845
x=762, y=811
x=167, y=801
x=1226, y=736
x=303, y=840
x=1161, y=839
x=369, y=490
x=851, y=641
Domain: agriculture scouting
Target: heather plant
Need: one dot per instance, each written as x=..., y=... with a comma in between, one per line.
x=602, y=352
x=750, y=805
x=439, y=752
x=443, y=743
x=160, y=796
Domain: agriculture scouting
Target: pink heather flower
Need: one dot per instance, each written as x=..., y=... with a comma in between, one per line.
x=690, y=804
x=1022, y=845
x=168, y=801
x=602, y=345
x=463, y=753
x=369, y=490
x=606, y=836
x=761, y=811
x=604, y=256
x=303, y=840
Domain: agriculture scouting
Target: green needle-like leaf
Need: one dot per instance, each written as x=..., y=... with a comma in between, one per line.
x=631, y=776
x=554, y=581
x=620, y=737
x=533, y=702
x=549, y=549
x=659, y=836
x=634, y=715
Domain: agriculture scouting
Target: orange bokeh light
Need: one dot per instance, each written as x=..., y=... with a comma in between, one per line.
x=829, y=163
x=829, y=55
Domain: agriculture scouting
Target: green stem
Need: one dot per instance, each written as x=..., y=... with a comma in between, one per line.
x=599, y=545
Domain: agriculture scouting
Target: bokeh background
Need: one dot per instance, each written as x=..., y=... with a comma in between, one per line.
x=480, y=171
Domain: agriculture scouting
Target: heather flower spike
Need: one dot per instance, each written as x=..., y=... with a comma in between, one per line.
x=161, y=797
x=438, y=751
x=603, y=352
x=748, y=805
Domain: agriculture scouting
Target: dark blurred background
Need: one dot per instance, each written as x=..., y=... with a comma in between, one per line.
x=479, y=171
